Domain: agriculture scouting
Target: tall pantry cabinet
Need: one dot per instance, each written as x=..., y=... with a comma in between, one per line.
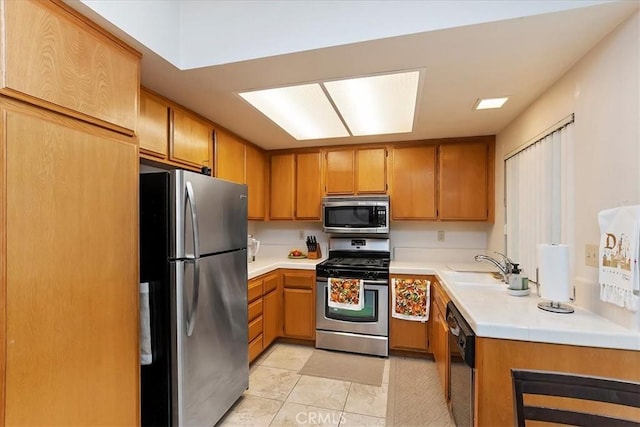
x=68, y=220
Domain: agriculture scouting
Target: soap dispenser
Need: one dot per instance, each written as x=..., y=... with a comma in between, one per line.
x=515, y=281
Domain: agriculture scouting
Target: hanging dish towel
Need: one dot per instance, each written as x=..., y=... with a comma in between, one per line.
x=347, y=294
x=146, y=356
x=410, y=299
x=618, y=256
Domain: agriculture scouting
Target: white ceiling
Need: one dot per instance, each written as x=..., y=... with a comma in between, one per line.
x=519, y=56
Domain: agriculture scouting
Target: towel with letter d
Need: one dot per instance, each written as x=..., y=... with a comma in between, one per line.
x=618, y=273
x=410, y=299
x=346, y=294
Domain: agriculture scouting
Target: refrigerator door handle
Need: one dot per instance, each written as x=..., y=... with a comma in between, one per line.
x=191, y=314
x=194, y=219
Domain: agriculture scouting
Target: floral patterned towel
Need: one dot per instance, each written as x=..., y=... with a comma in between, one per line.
x=410, y=299
x=347, y=294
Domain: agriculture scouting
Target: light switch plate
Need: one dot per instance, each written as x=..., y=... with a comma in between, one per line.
x=440, y=236
x=591, y=255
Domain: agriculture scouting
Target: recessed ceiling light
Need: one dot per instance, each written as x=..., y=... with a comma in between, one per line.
x=303, y=111
x=376, y=105
x=487, y=103
x=372, y=105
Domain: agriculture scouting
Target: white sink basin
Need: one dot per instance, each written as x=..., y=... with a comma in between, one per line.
x=472, y=278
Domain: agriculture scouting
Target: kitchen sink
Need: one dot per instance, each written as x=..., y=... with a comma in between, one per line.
x=473, y=278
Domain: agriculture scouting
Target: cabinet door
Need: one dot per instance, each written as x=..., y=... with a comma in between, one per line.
x=299, y=313
x=308, y=187
x=408, y=335
x=464, y=181
x=413, y=182
x=192, y=138
x=229, y=157
x=440, y=348
x=272, y=316
x=255, y=173
x=53, y=55
x=339, y=171
x=153, y=126
x=71, y=298
x=282, y=192
x=371, y=170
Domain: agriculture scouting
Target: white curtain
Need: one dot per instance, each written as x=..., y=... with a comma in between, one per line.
x=539, y=197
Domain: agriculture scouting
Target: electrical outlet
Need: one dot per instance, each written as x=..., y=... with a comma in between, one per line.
x=301, y=234
x=440, y=235
x=591, y=255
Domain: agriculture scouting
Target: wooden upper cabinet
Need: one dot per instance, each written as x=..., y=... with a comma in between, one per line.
x=340, y=167
x=413, y=182
x=153, y=125
x=308, y=187
x=466, y=180
x=230, y=164
x=192, y=138
x=282, y=194
x=371, y=170
x=295, y=186
x=255, y=173
x=356, y=171
x=66, y=63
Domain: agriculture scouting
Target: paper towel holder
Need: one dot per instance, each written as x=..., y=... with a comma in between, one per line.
x=555, y=307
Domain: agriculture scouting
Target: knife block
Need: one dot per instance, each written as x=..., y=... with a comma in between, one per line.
x=314, y=254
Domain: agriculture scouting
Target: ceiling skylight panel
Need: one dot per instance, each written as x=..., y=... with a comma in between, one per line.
x=376, y=105
x=303, y=111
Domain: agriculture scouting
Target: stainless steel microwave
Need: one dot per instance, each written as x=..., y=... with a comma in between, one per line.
x=355, y=214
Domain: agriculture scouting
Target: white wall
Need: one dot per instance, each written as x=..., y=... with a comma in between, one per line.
x=603, y=90
x=410, y=241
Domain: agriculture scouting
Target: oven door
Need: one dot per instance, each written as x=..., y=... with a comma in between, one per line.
x=371, y=320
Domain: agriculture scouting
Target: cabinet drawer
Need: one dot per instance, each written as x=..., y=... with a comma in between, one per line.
x=255, y=348
x=270, y=283
x=299, y=279
x=255, y=328
x=255, y=289
x=255, y=309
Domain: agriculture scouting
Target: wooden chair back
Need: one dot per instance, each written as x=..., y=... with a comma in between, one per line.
x=594, y=389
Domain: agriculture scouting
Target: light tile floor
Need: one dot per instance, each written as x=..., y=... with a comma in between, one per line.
x=278, y=396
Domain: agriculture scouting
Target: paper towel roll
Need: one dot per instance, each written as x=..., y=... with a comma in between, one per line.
x=553, y=272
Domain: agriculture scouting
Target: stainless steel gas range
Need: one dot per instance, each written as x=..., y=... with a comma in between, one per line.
x=359, y=331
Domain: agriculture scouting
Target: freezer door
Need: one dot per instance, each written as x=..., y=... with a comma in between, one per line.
x=211, y=367
x=218, y=209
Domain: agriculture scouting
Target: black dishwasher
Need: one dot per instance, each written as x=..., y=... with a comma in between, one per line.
x=462, y=349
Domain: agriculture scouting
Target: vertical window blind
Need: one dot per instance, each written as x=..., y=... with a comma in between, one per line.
x=539, y=195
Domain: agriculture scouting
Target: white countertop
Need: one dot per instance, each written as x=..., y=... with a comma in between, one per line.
x=493, y=313
x=264, y=265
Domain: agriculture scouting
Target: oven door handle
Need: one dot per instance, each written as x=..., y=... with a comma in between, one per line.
x=366, y=282
x=376, y=282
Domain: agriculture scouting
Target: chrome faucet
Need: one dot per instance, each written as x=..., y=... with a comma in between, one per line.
x=505, y=269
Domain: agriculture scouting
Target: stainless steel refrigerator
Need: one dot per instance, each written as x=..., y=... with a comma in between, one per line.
x=193, y=238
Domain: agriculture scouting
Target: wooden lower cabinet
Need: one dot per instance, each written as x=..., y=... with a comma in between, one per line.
x=272, y=308
x=299, y=315
x=406, y=334
x=264, y=312
x=254, y=317
x=496, y=357
x=439, y=341
x=69, y=271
